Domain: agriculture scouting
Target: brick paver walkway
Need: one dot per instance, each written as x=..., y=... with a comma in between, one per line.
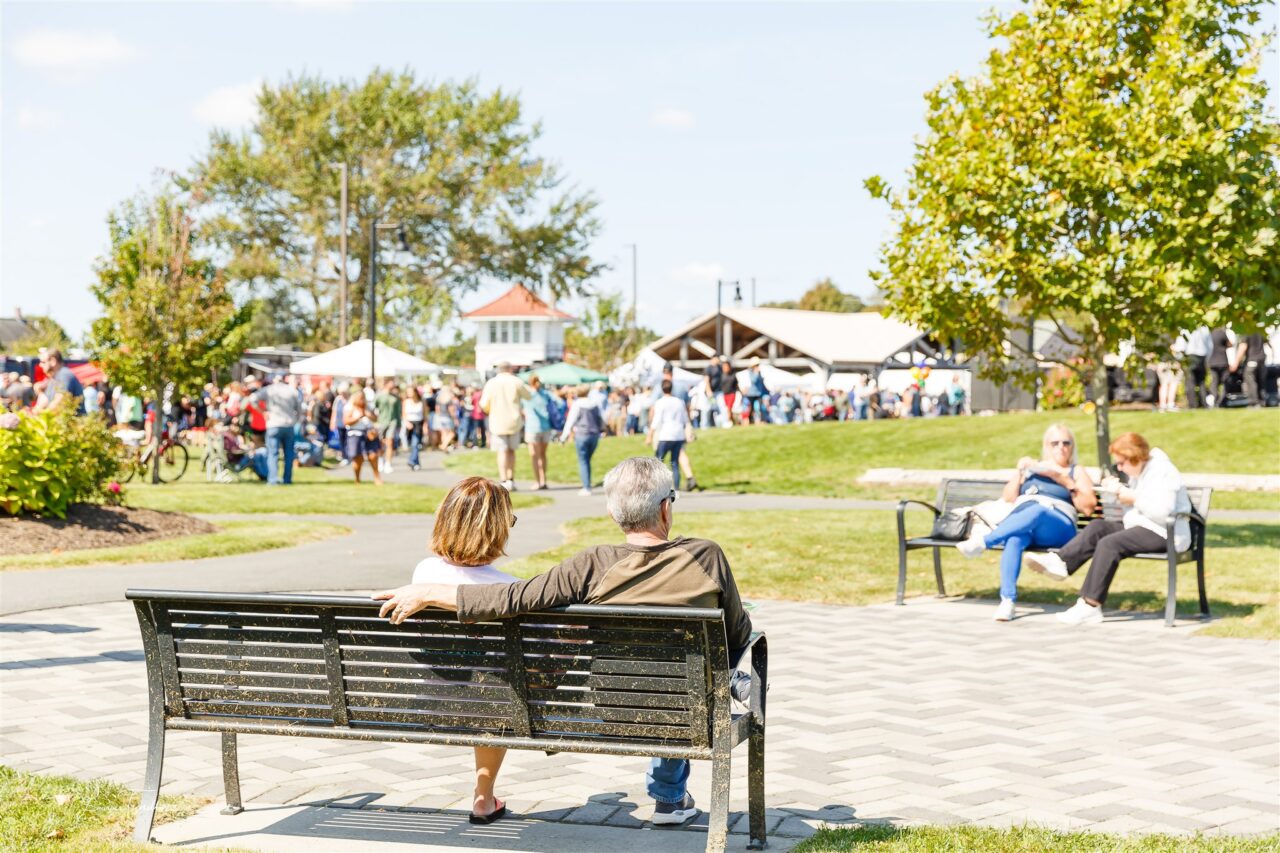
x=929, y=713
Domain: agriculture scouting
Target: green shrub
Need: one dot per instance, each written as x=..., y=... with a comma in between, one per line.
x=52, y=459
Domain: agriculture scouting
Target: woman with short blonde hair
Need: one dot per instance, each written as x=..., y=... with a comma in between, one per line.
x=472, y=526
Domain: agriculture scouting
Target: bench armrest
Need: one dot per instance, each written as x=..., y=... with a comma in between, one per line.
x=902, y=511
x=758, y=650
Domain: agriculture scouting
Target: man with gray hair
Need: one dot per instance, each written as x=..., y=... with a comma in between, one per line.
x=647, y=568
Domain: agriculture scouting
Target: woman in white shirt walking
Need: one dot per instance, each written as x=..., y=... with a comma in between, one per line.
x=667, y=424
x=472, y=525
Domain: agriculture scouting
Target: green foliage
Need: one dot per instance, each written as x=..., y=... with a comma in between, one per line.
x=458, y=352
x=1062, y=389
x=454, y=166
x=54, y=458
x=823, y=296
x=887, y=838
x=603, y=338
x=44, y=332
x=1112, y=168
x=168, y=316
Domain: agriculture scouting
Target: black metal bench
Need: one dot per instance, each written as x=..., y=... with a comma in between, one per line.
x=959, y=494
x=642, y=681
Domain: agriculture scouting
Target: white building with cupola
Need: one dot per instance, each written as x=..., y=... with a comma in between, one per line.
x=520, y=328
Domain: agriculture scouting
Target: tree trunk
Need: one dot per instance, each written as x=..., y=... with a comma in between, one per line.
x=1101, y=415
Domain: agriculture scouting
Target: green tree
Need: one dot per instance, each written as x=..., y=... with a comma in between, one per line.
x=823, y=296
x=458, y=352
x=168, y=318
x=455, y=167
x=603, y=337
x=43, y=332
x=1112, y=168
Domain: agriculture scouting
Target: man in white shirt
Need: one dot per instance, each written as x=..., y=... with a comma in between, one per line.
x=1195, y=348
x=667, y=425
x=502, y=400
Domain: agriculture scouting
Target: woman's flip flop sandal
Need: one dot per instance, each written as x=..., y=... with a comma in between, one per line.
x=484, y=819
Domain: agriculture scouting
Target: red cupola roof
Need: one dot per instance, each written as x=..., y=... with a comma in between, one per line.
x=519, y=301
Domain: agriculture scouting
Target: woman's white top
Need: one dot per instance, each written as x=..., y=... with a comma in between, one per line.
x=414, y=410
x=436, y=570
x=1158, y=494
x=669, y=418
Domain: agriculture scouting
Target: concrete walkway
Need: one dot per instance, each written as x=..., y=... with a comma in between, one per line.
x=924, y=713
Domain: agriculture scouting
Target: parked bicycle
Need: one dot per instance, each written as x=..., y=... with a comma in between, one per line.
x=174, y=458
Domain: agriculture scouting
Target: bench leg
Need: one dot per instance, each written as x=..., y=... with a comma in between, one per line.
x=1204, y=596
x=718, y=818
x=755, y=787
x=902, y=571
x=1171, y=603
x=937, y=571
x=231, y=773
x=151, y=781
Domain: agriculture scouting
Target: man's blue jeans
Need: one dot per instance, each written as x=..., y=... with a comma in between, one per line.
x=673, y=448
x=586, y=449
x=280, y=438
x=1029, y=525
x=667, y=779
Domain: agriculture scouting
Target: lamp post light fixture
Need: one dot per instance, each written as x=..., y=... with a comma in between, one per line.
x=737, y=300
x=374, y=228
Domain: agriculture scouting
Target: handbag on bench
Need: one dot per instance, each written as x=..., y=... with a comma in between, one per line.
x=955, y=525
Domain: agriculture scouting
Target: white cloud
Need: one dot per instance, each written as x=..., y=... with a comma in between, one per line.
x=673, y=118
x=30, y=118
x=229, y=106
x=68, y=50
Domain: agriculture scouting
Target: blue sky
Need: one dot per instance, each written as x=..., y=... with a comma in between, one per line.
x=726, y=140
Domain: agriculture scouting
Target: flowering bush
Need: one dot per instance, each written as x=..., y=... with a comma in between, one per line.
x=1062, y=389
x=51, y=460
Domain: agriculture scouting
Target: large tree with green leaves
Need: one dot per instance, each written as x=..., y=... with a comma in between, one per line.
x=604, y=337
x=168, y=317
x=42, y=332
x=824, y=295
x=456, y=167
x=1112, y=169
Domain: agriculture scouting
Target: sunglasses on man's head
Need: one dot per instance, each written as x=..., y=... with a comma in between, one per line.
x=672, y=496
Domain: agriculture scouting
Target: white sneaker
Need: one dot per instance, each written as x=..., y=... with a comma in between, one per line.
x=1047, y=564
x=506, y=484
x=387, y=469
x=971, y=547
x=586, y=493
x=1081, y=613
x=673, y=814
x=1005, y=612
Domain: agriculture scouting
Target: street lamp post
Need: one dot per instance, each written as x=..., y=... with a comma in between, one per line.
x=737, y=297
x=342, y=251
x=374, y=228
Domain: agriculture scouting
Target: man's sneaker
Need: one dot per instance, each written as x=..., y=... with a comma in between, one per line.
x=1047, y=564
x=506, y=484
x=971, y=547
x=673, y=814
x=691, y=485
x=1005, y=612
x=1081, y=613
x=586, y=493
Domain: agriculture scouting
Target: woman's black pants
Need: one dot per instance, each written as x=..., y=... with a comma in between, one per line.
x=1107, y=542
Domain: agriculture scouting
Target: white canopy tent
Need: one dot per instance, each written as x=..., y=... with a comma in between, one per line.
x=354, y=360
x=645, y=370
x=775, y=379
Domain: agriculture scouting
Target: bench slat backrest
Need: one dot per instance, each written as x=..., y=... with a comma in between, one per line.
x=631, y=674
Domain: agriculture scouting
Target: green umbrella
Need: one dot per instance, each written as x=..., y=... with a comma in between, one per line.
x=563, y=373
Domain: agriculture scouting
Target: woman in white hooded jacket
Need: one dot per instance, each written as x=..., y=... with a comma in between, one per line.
x=1155, y=493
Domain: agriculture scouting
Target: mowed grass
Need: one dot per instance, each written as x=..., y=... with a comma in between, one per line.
x=232, y=537
x=826, y=459
x=314, y=491
x=840, y=557
x=977, y=839
x=61, y=813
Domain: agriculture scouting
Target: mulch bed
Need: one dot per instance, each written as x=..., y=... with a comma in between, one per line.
x=93, y=526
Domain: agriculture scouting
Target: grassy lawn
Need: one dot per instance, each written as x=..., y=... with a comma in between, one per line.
x=62, y=813
x=811, y=555
x=233, y=537
x=890, y=839
x=827, y=458
x=313, y=492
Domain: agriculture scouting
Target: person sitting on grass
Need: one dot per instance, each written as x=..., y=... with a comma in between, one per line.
x=647, y=568
x=1046, y=493
x=1155, y=491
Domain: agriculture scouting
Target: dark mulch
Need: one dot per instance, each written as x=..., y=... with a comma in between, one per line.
x=93, y=526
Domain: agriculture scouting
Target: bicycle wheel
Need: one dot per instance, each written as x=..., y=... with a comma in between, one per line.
x=173, y=462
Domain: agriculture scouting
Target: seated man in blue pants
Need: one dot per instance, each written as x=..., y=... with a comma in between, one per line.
x=648, y=568
x=1046, y=495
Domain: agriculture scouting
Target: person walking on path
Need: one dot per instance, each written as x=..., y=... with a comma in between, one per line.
x=1224, y=343
x=728, y=391
x=415, y=415
x=537, y=430
x=362, y=435
x=585, y=423
x=388, y=409
x=501, y=401
x=755, y=392
x=284, y=411
x=667, y=429
x=1155, y=492
x=336, y=424
x=1251, y=358
x=1195, y=348
x=647, y=568
x=715, y=408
